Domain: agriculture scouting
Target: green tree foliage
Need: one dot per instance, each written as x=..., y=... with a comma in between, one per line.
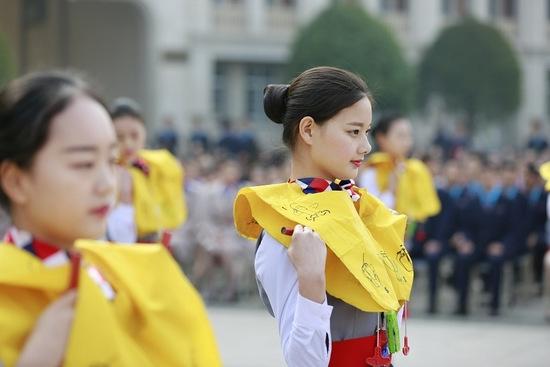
x=474, y=69
x=345, y=36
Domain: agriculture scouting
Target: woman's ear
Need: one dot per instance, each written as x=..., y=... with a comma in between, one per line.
x=306, y=127
x=13, y=182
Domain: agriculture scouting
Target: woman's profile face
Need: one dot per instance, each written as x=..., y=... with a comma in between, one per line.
x=339, y=145
x=398, y=140
x=68, y=191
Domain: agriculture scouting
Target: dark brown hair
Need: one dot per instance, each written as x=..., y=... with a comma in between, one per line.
x=319, y=92
x=126, y=107
x=27, y=108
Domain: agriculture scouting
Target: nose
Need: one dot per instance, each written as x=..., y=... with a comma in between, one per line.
x=106, y=180
x=364, y=147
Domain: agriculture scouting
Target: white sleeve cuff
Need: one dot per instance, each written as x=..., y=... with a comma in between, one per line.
x=312, y=315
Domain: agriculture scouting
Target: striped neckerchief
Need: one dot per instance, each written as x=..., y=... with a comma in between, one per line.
x=312, y=185
x=49, y=255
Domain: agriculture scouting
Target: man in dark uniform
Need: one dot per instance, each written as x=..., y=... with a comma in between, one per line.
x=499, y=232
x=431, y=239
x=465, y=230
x=536, y=217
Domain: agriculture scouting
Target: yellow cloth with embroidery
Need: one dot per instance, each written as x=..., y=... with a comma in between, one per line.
x=544, y=171
x=158, y=197
x=416, y=195
x=367, y=264
x=156, y=318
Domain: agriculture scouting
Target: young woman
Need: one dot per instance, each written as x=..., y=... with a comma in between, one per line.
x=402, y=183
x=545, y=173
x=65, y=298
x=344, y=272
x=150, y=199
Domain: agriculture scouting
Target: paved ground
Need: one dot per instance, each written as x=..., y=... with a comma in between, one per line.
x=248, y=338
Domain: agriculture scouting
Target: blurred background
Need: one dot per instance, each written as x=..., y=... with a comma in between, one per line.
x=472, y=75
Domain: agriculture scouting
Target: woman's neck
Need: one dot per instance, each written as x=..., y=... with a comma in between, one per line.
x=21, y=222
x=301, y=167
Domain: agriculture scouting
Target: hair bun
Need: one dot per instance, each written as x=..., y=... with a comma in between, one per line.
x=275, y=97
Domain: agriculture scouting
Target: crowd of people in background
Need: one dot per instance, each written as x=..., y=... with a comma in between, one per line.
x=492, y=222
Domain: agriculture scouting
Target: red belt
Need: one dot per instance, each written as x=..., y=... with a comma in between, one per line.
x=354, y=352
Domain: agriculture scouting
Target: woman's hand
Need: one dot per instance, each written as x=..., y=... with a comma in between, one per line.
x=308, y=254
x=46, y=344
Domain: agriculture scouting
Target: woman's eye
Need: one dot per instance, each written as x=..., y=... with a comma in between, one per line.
x=355, y=132
x=83, y=165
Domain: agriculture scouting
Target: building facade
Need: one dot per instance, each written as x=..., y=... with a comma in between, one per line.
x=208, y=60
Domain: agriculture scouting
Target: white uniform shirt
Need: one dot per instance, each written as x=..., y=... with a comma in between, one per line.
x=121, y=225
x=367, y=180
x=304, y=325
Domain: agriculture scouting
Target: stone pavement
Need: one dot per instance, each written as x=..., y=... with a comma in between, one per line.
x=248, y=338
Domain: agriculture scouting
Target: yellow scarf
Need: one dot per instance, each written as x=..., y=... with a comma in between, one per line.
x=156, y=318
x=544, y=171
x=158, y=197
x=367, y=265
x=416, y=195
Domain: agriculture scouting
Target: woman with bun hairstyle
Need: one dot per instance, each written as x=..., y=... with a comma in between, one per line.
x=330, y=262
x=150, y=198
x=66, y=298
x=402, y=183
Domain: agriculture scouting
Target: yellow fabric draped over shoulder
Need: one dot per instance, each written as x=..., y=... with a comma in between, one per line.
x=544, y=171
x=157, y=318
x=416, y=194
x=367, y=264
x=158, y=197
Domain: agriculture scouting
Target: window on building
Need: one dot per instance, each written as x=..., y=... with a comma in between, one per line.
x=503, y=9
x=509, y=8
x=493, y=8
x=35, y=11
x=221, y=2
x=220, y=89
x=455, y=8
x=385, y=6
x=446, y=7
x=402, y=6
x=394, y=6
x=283, y=3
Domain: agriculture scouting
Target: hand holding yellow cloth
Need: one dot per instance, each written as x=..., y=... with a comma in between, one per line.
x=367, y=264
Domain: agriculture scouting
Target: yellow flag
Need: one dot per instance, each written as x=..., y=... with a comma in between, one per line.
x=367, y=264
x=156, y=318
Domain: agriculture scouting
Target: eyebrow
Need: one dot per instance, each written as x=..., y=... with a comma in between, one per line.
x=86, y=148
x=358, y=124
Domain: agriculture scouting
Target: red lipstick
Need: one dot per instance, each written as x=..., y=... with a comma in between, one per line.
x=100, y=211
